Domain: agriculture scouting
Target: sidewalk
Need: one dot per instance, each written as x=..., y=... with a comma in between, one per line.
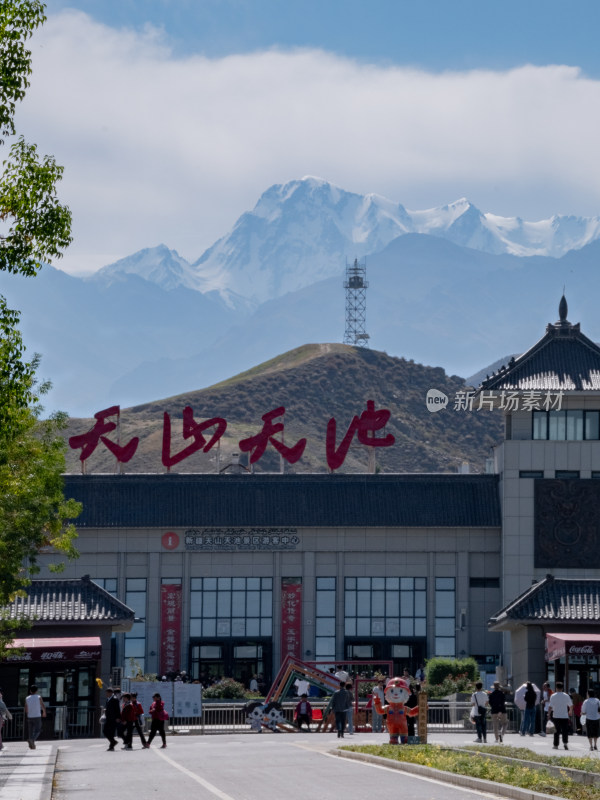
x=28, y=774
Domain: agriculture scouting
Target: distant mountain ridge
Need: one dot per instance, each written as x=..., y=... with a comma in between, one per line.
x=304, y=230
x=153, y=325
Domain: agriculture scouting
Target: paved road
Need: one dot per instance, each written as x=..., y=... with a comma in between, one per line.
x=236, y=767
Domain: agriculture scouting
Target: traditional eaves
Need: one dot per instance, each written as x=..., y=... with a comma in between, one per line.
x=563, y=360
x=68, y=601
x=561, y=600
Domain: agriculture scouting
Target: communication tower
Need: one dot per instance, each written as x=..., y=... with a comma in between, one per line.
x=356, y=304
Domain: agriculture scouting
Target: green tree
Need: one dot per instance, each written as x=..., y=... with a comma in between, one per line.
x=34, y=228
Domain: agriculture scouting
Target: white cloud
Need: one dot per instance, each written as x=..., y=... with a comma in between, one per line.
x=158, y=148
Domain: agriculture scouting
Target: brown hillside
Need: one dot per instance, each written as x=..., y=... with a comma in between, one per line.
x=314, y=383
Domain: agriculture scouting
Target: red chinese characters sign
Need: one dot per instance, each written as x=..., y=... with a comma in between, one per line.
x=170, y=627
x=291, y=617
x=365, y=427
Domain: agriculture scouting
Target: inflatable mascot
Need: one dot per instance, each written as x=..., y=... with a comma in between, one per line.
x=396, y=693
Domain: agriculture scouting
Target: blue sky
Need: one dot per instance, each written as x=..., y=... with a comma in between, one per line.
x=172, y=117
x=431, y=34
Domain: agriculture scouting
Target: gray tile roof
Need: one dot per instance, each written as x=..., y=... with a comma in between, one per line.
x=560, y=600
x=563, y=360
x=176, y=500
x=60, y=601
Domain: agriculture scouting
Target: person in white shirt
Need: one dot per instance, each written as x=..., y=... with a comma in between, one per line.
x=560, y=705
x=34, y=711
x=591, y=709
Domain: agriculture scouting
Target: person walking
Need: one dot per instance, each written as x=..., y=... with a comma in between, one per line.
x=377, y=719
x=480, y=701
x=546, y=695
x=528, y=721
x=139, y=718
x=112, y=715
x=577, y=701
x=159, y=715
x=560, y=708
x=412, y=702
x=34, y=711
x=5, y=716
x=350, y=710
x=591, y=709
x=341, y=701
x=497, y=701
x=303, y=713
x=128, y=717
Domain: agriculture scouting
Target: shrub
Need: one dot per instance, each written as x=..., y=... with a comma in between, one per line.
x=227, y=689
x=438, y=670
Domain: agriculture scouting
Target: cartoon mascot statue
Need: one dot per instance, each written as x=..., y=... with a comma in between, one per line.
x=396, y=693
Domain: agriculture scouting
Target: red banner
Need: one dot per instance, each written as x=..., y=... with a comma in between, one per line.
x=291, y=617
x=170, y=627
x=51, y=651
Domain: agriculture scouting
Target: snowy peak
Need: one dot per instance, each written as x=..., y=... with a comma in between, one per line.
x=157, y=265
x=305, y=230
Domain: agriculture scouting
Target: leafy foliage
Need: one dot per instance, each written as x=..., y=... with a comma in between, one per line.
x=446, y=676
x=34, y=514
x=227, y=689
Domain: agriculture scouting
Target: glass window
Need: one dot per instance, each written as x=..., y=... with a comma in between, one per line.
x=575, y=425
x=136, y=584
x=326, y=584
x=567, y=474
x=371, y=611
x=540, y=425
x=592, y=424
x=557, y=425
x=444, y=646
x=325, y=626
x=235, y=607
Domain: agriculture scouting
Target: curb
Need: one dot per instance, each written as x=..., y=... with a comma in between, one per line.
x=479, y=784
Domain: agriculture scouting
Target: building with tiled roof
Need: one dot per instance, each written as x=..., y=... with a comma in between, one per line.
x=229, y=573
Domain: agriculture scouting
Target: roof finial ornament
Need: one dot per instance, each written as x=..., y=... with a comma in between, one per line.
x=563, y=309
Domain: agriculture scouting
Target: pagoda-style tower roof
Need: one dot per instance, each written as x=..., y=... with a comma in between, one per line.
x=562, y=360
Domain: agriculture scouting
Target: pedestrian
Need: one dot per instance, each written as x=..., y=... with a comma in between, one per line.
x=341, y=701
x=303, y=712
x=546, y=695
x=497, y=701
x=377, y=719
x=480, y=702
x=528, y=721
x=591, y=709
x=128, y=717
x=560, y=708
x=412, y=702
x=159, y=715
x=5, y=716
x=112, y=715
x=254, y=684
x=139, y=718
x=350, y=711
x=34, y=711
x=577, y=701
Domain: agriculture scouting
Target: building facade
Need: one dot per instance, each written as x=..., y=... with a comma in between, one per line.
x=229, y=573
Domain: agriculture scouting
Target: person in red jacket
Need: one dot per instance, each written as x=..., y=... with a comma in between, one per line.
x=303, y=713
x=128, y=717
x=139, y=716
x=159, y=715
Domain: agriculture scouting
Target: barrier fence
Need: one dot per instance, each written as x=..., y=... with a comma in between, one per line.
x=221, y=717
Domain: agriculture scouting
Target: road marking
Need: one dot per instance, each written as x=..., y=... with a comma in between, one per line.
x=212, y=789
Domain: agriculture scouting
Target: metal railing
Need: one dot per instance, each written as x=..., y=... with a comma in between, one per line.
x=222, y=717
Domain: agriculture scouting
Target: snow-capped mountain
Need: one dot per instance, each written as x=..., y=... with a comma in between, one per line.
x=305, y=230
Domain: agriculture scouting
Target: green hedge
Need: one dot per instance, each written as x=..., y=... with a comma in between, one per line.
x=438, y=670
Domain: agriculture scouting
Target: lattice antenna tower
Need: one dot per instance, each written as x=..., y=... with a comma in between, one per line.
x=356, y=286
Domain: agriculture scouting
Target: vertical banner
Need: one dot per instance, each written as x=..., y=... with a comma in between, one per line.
x=291, y=617
x=170, y=627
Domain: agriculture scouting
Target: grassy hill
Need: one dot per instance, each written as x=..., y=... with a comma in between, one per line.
x=314, y=383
